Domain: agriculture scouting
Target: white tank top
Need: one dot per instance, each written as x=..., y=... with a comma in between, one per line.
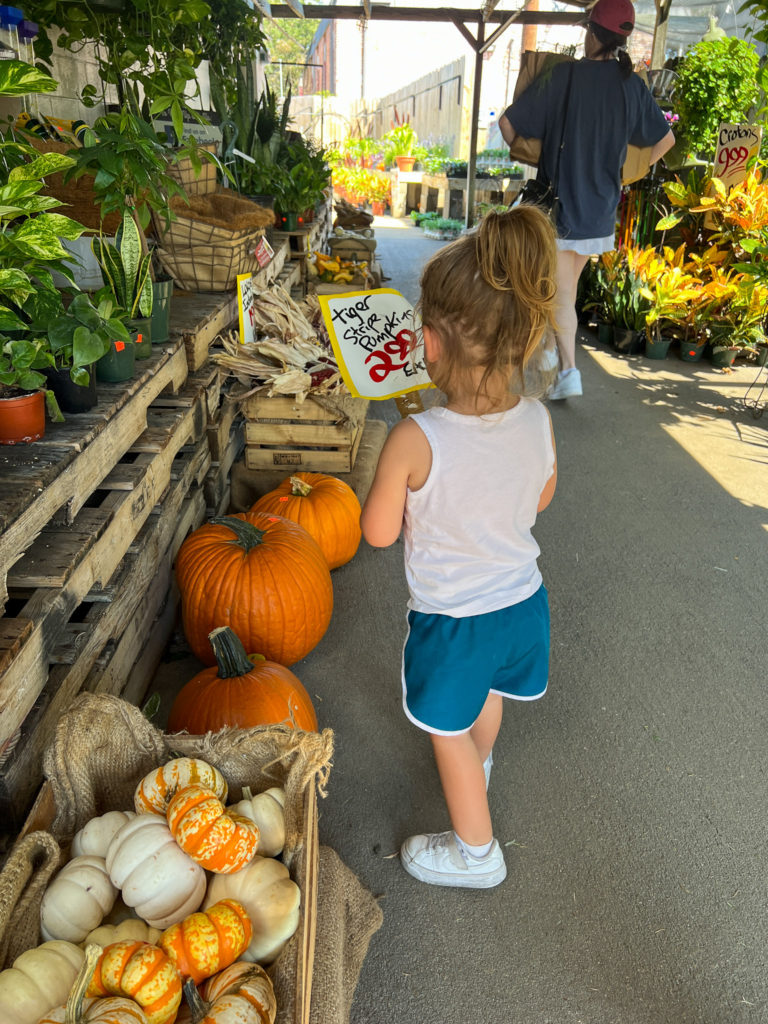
x=468, y=542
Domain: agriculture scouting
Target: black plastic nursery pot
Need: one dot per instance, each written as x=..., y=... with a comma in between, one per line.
x=692, y=351
x=118, y=364
x=160, y=330
x=72, y=398
x=721, y=357
x=141, y=336
x=605, y=333
x=627, y=341
x=657, y=348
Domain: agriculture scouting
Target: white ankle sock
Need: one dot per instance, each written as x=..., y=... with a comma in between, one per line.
x=478, y=852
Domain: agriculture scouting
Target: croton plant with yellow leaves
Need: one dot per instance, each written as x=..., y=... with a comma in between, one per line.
x=172, y=896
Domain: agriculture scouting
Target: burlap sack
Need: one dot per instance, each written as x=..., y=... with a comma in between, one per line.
x=102, y=748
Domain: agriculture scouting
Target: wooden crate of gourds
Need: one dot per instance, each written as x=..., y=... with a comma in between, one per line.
x=172, y=903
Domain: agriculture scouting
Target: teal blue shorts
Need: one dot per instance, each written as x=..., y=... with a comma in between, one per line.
x=450, y=665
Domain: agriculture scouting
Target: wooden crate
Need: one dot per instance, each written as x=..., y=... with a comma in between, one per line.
x=304, y=871
x=281, y=432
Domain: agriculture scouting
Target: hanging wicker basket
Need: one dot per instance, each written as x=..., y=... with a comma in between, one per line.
x=212, y=267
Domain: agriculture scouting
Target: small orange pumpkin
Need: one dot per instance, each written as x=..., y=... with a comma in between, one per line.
x=79, y=1010
x=264, y=577
x=142, y=972
x=325, y=506
x=206, y=942
x=241, y=691
x=242, y=992
x=215, y=839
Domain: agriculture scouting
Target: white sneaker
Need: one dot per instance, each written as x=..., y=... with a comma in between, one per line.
x=487, y=765
x=439, y=860
x=567, y=385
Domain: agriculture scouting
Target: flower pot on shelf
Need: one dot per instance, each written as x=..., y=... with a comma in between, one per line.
x=72, y=398
x=290, y=221
x=118, y=364
x=141, y=336
x=627, y=341
x=657, y=348
x=762, y=353
x=161, y=311
x=22, y=417
x=377, y=208
x=405, y=163
x=691, y=351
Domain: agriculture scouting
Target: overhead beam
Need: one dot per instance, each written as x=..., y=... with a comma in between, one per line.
x=442, y=14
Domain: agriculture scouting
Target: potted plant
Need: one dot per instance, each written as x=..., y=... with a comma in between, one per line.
x=716, y=84
x=378, y=192
x=300, y=184
x=627, y=308
x=31, y=252
x=126, y=273
x=737, y=325
x=399, y=146
x=669, y=296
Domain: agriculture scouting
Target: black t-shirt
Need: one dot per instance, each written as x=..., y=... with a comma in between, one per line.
x=605, y=112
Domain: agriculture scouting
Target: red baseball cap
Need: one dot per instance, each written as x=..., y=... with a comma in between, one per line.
x=616, y=15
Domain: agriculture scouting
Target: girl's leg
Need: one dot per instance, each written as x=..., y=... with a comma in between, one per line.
x=463, y=782
x=486, y=728
x=569, y=267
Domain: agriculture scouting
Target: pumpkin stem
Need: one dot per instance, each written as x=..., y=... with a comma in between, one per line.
x=229, y=653
x=248, y=536
x=74, y=1011
x=247, y=793
x=198, y=1007
x=300, y=488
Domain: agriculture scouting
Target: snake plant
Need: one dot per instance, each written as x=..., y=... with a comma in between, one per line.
x=125, y=268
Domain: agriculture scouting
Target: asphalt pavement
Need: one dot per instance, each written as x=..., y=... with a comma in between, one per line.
x=631, y=800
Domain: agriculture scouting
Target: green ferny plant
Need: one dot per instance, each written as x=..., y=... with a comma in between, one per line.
x=716, y=83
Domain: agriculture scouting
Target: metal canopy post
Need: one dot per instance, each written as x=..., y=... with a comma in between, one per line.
x=475, y=120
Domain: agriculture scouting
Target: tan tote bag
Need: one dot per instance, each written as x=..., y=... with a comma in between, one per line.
x=534, y=64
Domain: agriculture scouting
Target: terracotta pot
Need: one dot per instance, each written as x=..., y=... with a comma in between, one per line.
x=377, y=208
x=22, y=418
x=405, y=163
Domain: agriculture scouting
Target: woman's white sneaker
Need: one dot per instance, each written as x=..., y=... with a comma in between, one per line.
x=567, y=385
x=439, y=860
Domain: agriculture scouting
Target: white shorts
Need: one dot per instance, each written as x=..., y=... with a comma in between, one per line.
x=587, y=246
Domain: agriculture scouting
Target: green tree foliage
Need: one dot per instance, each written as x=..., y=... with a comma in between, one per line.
x=288, y=40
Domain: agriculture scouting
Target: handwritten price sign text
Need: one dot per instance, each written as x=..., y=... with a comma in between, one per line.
x=736, y=145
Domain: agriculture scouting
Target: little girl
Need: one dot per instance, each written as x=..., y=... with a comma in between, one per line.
x=466, y=481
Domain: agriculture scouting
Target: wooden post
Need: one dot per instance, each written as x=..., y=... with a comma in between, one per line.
x=469, y=214
x=658, y=51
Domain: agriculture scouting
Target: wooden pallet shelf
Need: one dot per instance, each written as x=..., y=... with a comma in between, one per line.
x=92, y=642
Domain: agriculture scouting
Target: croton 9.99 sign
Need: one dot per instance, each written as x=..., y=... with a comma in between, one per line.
x=737, y=144
x=377, y=343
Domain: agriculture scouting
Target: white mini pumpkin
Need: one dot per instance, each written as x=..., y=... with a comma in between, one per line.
x=38, y=980
x=267, y=809
x=76, y=900
x=94, y=838
x=132, y=928
x=153, y=873
x=271, y=899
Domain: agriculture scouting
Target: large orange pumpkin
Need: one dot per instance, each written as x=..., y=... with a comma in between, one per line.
x=215, y=838
x=261, y=575
x=325, y=506
x=241, y=690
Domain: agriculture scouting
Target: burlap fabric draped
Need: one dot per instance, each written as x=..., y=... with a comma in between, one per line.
x=103, y=747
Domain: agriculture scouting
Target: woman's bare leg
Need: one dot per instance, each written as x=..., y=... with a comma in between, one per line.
x=569, y=267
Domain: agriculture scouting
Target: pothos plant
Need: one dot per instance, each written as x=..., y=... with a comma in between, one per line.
x=148, y=48
x=36, y=330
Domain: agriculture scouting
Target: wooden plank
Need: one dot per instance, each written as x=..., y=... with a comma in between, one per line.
x=73, y=481
x=314, y=461
x=220, y=428
x=298, y=435
x=50, y=561
x=272, y=410
x=14, y=633
x=197, y=318
x=159, y=540
x=24, y=679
